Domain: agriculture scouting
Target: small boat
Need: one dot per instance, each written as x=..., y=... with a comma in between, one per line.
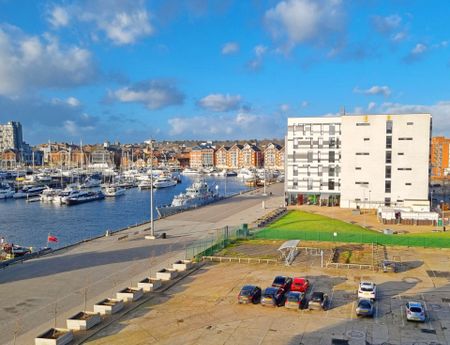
x=49, y=194
x=198, y=194
x=114, y=191
x=6, y=191
x=62, y=197
x=91, y=182
x=28, y=192
x=189, y=171
x=246, y=174
x=146, y=184
x=83, y=197
x=164, y=181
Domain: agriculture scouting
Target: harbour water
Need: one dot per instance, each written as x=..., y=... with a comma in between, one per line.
x=29, y=224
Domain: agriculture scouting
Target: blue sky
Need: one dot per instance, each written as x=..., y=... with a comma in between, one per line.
x=130, y=70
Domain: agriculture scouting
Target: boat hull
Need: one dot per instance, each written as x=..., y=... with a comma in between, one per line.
x=166, y=211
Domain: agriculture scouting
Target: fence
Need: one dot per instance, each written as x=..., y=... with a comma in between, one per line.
x=222, y=238
x=434, y=240
x=239, y=260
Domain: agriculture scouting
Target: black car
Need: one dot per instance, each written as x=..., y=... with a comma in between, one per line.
x=282, y=282
x=249, y=294
x=272, y=296
x=295, y=300
x=318, y=300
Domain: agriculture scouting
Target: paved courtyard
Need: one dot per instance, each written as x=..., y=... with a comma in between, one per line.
x=203, y=309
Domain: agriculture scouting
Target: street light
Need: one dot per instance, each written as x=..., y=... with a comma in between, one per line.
x=152, y=227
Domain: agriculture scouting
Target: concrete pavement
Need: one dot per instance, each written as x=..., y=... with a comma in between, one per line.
x=42, y=293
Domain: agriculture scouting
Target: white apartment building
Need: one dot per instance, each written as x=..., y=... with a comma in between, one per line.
x=11, y=136
x=313, y=160
x=359, y=160
x=385, y=160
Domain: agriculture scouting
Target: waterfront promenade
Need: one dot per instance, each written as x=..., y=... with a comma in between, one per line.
x=31, y=292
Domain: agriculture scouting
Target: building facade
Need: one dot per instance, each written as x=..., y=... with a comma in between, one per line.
x=202, y=156
x=385, y=160
x=363, y=161
x=11, y=136
x=274, y=157
x=313, y=160
x=221, y=157
x=440, y=157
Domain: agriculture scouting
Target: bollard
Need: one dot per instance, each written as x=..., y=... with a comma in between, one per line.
x=107, y=233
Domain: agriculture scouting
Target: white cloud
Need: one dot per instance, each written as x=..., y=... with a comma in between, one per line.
x=374, y=90
x=240, y=125
x=419, y=49
x=300, y=21
x=122, y=22
x=154, y=94
x=440, y=112
x=284, y=108
x=399, y=37
x=74, y=129
x=220, y=102
x=386, y=24
x=58, y=17
x=70, y=101
x=416, y=53
x=257, y=62
x=32, y=62
x=230, y=48
x=304, y=104
x=371, y=106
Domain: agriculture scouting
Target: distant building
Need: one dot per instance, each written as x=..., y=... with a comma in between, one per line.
x=234, y=157
x=11, y=136
x=274, y=157
x=440, y=157
x=222, y=157
x=202, y=156
x=252, y=157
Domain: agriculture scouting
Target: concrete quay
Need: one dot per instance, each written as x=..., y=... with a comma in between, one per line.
x=42, y=293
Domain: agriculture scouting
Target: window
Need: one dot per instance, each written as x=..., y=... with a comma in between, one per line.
x=401, y=154
x=363, y=183
x=408, y=184
x=310, y=156
x=405, y=138
x=387, y=202
x=358, y=168
x=362, y=153
x=404, y=169
x=388, y=171
x=389, y=127
x=330, y=185
x=331, y=157
x=332, y=130
x=332, y=143
x=389, y=142
x=409, y=123
x=388, y=157
x=331, y=171
x=363, y=124
x=387, y=186
x=366, y=139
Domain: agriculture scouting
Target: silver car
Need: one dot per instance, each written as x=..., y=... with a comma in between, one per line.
x=365, y=307
x=415, y=312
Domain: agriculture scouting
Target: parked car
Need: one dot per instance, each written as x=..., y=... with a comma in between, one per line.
x=272, y=296
x=249, y=294
x=365, y=307
x=282, y=282
x=389, y=266
x=295, y=300
x=367, y=290
x=300, y=285
x=415, y=312
x=318, y=300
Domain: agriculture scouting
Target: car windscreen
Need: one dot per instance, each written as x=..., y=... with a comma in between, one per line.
x=279, y=281
x=293, y=297
x=366, y=288
x=316, y=297
x=246, y=291
x=364, y=304
x=415, y=309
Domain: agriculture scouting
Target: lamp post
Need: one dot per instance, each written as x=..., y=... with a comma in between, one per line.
x=152, y=228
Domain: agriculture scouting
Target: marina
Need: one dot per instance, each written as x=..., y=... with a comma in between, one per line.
x=28, y=223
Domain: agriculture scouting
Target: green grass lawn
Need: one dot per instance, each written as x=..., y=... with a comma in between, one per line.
x=314, y=227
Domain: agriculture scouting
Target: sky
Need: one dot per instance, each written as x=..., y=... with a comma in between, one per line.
x=128, y=71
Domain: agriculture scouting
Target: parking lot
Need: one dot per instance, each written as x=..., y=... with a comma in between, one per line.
x=203, y=308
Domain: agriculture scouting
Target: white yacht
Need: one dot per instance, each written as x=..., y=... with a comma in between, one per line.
x=64, y=195
x=49, y=194
x=91, y=182
x=164, y=181
x=6, y=191
x=113, y=191
x=189, y=171
x=146, y=184
x=246, y=174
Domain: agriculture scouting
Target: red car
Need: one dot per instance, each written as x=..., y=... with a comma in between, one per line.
x=300, y=285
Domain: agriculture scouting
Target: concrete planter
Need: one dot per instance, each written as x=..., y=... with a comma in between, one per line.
x=182, y=265
x=166, y=274
x=54, y=336
x=129, y=294
x=82, y=321
x=108, y=306
x=149, y=284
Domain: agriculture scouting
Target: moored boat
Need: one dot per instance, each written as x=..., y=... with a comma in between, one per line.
x=83, y=197
x=113, y=191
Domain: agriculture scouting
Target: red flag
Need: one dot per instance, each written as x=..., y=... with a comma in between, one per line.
x=52, y=238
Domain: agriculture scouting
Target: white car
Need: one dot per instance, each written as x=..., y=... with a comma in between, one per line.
x=367, y=290
x=415, y=312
